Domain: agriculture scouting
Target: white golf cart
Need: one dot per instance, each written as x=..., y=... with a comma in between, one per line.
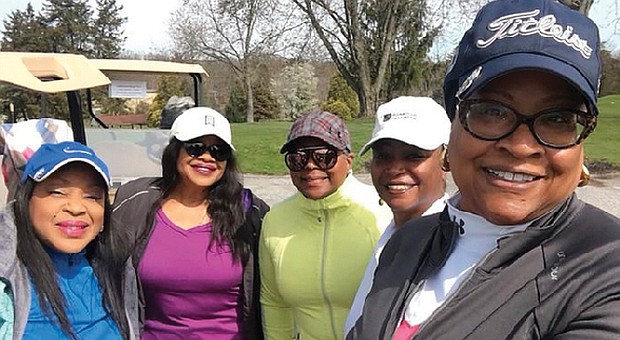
x=129, y=153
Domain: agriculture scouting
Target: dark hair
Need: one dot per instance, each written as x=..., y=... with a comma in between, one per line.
x=106, y=253
x=225, y=198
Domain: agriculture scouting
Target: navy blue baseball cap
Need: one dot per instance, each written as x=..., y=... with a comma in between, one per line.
x=510, y=35
x=52, y=156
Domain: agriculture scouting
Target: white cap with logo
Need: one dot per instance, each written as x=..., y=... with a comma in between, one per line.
x=201, y=121
x=417, y=121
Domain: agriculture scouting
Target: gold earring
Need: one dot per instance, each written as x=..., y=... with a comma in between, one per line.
x=381, y=201
x=445, y=164
x=584, y=179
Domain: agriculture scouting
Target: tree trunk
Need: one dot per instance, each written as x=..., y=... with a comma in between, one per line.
x=368, y=100
x=249, y=101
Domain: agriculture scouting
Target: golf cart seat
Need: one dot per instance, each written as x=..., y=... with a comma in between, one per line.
x=18, y=141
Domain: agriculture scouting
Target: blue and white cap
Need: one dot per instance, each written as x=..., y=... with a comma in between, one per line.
x=52, y=156
x=510, y=35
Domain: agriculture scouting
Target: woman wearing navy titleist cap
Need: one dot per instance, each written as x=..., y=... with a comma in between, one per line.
x=315, y=244
x=515, y=254
x=62, y=266
x=195, y=231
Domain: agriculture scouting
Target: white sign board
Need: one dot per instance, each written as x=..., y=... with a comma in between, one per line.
x=127, y=89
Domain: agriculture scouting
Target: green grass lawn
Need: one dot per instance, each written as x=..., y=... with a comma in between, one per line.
x=258, y=144
x=604, y=143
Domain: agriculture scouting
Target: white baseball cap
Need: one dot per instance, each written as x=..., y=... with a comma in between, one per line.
x=417, y=121
x=201, y=121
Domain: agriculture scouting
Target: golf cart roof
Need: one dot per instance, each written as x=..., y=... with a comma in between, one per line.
x=49, y=72
x=147, y=66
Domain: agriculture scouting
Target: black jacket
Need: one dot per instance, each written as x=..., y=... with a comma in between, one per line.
x=559, y=279
x=134, y=208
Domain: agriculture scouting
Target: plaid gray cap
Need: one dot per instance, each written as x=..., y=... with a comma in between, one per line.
x=322, y=125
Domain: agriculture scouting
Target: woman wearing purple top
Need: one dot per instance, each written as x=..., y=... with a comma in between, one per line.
x=195, y=232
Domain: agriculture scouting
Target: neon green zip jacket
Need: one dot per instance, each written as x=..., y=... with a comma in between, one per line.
x=312, y=256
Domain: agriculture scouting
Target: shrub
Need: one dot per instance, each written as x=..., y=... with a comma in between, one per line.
x=339, y=108
x=265, y=105
x=341, y=93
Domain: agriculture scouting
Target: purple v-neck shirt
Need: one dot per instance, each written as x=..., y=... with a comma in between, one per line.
x=191, y=291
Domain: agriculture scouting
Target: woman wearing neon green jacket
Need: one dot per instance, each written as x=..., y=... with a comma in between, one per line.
x=315, y=245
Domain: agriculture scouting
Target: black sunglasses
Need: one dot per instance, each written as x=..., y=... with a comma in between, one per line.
x=323, y=157
x=221, y=152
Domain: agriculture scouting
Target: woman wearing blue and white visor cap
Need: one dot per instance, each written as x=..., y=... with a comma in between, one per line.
x=515, y=254
x=62, y=267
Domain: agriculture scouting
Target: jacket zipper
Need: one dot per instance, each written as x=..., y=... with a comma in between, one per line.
x=408, y=298
x=323, y=290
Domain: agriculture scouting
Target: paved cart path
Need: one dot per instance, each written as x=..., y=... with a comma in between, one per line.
x=603, y=190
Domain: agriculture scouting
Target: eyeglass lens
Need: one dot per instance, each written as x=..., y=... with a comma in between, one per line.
x=220, y=152
x=556, y=128
x=324, y=158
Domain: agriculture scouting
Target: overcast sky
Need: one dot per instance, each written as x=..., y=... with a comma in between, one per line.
x=147, y=23
x=147, y=20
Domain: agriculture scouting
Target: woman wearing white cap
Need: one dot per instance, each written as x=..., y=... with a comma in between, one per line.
x=196, y=232
x=62, y=266
x=407, y=143
x=515, y=254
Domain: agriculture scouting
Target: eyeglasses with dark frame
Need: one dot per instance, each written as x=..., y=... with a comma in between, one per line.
x=323, y=157
x=220, y=152
x=557, y=128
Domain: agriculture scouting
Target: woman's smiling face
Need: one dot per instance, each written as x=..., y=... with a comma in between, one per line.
x=516, y=179
x=67, y=208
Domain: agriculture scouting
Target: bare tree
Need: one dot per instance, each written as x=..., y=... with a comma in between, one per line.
x=237, y=32
x=339, y=26
x=372, y=41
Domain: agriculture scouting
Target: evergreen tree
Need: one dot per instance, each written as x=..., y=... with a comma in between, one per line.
x=235, y=109
x=70, y=26
x=265, y=104
x=64, y=26
x=109, y=38
x=341, y=99
x=409, y=67
x=24, y=31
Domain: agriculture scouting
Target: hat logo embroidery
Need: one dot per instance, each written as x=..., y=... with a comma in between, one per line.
x=387, y=117
x=69, y=150
x=470, y=80
x=37, y=175
x=404, y=115
x=209, y=121
x=525, y=24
